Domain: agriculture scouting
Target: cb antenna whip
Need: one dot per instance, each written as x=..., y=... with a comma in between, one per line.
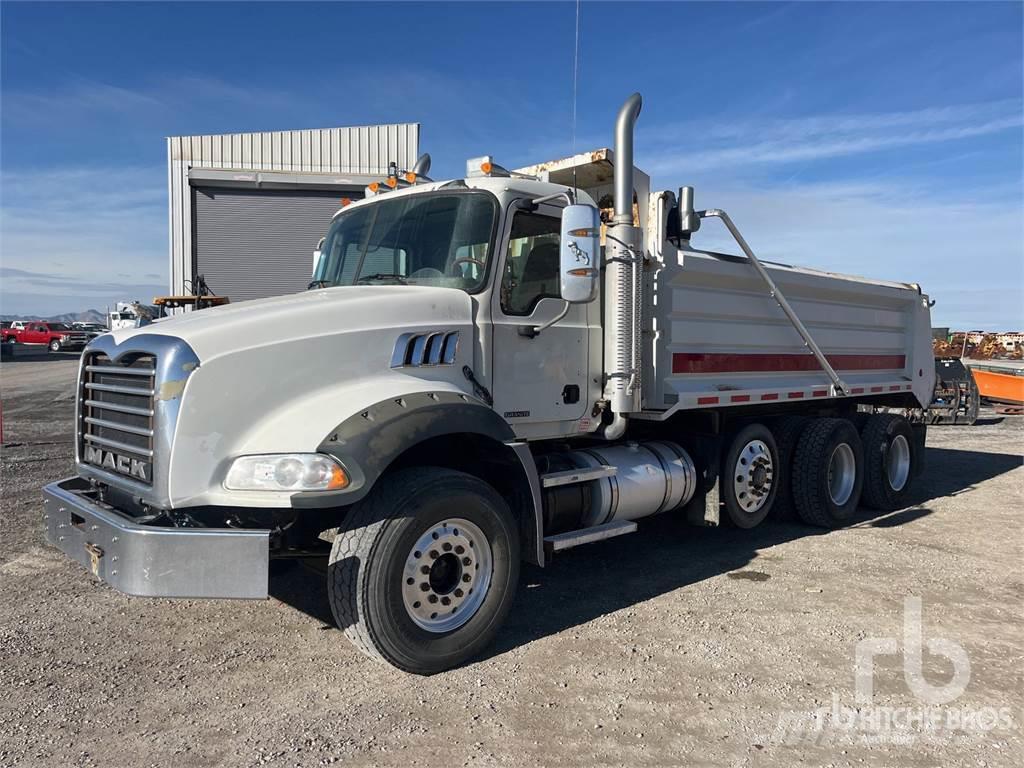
x=575, y=79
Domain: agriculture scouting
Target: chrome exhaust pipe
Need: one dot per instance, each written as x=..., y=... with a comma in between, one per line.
x=422, y=167
x=624, y=125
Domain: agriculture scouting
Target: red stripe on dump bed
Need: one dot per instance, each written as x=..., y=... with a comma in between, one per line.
x=739, y=398
x=895, y=388
x=770, y=396
x=819, y=393
x=699, y=362
x=707, y=400
x=857, y=391
x=795, y=395
x=876, y=389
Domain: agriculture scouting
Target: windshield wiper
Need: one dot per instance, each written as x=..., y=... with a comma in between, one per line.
x=382, y=276
x=318, y=284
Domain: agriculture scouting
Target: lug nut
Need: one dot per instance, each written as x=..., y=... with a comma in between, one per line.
x=433, y=554
x=466, y=561
x=458, y=593
x=466, y=577
x=446, y=600
x=446, y=547
x=432, y=599
x=424, y=587
x=459, y=549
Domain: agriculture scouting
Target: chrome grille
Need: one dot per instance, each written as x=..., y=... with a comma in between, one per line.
x=117, y=406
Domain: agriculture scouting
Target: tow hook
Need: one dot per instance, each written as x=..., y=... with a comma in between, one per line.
x=95, y=553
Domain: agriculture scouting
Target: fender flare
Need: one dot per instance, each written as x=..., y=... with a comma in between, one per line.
x=368, y=442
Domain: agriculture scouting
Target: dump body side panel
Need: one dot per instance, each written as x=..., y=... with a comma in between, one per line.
x=721, y=339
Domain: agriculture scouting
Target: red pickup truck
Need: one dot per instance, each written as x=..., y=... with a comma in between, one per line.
x=56, y=336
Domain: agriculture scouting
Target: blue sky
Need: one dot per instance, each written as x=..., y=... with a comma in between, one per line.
x=876, y=139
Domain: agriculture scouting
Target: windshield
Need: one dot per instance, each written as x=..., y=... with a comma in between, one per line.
x=441, y=239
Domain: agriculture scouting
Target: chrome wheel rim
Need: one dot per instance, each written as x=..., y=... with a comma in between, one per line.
x=447, y=575
x=752, y=476
x=842, y=473
x=897, y=462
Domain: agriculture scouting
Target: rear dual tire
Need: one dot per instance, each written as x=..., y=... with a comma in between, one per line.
x=890, y=461
x=828, y=473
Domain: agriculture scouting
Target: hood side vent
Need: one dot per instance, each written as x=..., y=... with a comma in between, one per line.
x=428, y=348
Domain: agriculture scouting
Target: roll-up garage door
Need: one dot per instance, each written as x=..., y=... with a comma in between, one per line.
x=253, y=243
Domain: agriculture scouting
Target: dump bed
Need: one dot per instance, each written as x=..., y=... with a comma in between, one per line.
x=720, y=339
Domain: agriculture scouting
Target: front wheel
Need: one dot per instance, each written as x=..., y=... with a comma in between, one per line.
x=55, y=346
x=425, y=572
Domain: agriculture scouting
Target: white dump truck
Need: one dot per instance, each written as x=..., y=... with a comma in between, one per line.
x=486, y=371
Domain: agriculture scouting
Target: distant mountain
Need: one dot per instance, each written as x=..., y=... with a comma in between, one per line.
x=89, y=316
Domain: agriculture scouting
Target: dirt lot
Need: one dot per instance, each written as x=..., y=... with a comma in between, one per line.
x=668, y=647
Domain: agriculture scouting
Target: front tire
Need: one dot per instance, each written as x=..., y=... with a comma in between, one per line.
x=55, y=346
x=828, y=473
x=426, y=570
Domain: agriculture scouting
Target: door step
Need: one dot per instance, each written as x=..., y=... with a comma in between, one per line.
x=571, y=476
x=570, y=539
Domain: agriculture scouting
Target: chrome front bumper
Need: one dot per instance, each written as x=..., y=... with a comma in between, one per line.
x=154, y=561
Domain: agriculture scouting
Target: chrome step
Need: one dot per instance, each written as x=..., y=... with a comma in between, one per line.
x=570, y=539
x=571, y=476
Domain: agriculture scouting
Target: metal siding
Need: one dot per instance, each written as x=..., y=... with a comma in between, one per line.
x=361, y=149
x=250, y=244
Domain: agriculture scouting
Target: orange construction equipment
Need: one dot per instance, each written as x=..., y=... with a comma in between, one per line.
x=1001, y=386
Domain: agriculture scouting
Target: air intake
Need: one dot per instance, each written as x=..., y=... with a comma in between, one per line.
x=430, y=348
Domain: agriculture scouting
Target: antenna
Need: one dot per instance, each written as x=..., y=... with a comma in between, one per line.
x=575, y=79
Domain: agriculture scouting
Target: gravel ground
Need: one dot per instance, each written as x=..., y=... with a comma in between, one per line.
x=671, y=646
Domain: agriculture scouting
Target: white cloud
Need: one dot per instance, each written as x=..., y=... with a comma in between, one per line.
x=66, y=234
x=725, y=143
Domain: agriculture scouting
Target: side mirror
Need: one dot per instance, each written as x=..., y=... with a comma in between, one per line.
x=580, y=254
x=316, y=253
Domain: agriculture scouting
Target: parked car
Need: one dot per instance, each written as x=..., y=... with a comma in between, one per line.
x=92, y=329
x=56, y=336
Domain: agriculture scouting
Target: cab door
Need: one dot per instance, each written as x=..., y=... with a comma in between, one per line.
x=539, y=380
x=38, y=334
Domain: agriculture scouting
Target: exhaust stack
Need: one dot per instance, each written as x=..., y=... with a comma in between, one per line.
x=624, y=125
x=623, y=282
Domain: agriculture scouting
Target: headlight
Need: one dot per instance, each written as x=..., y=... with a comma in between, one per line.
x=64, y=338
x=286, y=472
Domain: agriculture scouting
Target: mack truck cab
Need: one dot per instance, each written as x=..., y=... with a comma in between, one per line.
x=484, y=371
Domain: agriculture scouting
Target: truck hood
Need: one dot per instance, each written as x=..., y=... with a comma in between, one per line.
x=278, y=375
x=306, y=317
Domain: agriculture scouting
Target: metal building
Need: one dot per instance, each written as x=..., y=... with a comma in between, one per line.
x=247, y=209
